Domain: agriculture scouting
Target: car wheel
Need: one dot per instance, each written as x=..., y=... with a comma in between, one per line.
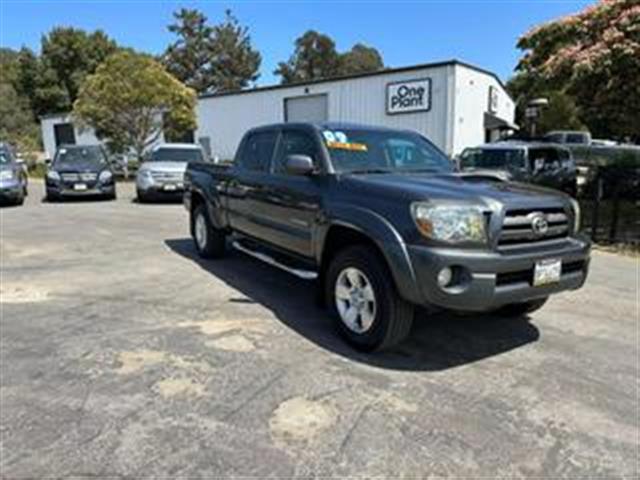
x=523, y=308
x=209, y=241
x=141, y=197
x=364, y=301
x=51, y=197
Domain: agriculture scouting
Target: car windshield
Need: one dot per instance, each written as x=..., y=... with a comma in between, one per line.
x=378, y=151
x=177, y=155
x=502, y=158
x=72, y=156
x=4, y=158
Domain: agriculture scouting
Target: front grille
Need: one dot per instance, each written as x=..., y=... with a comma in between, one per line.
x=518, y=226
x=168, y=176
x=79, y=177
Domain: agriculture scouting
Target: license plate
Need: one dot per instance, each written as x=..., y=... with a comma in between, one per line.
x=170, y=188
x=80, y=186
x=546, y=272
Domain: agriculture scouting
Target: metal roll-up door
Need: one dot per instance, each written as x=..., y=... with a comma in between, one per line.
x=311, y=108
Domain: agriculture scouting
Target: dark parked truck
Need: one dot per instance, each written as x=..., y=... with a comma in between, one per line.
x=80, y=171
x=382, y=221
x=539, y=163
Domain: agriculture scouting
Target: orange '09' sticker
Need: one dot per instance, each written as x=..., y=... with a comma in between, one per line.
x=354, y=147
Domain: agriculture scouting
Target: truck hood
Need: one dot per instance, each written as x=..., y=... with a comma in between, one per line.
x=169, y=167
x=461, y=187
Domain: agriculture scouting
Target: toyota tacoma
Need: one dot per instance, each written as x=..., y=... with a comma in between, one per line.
x=383, y=223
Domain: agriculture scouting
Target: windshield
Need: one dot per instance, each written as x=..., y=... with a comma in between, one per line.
x=501, y=158
x=4, y=157
x=72, y=156
x=177, y=155
x=383, y=151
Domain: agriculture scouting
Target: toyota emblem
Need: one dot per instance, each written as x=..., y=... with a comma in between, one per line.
x=539, y=224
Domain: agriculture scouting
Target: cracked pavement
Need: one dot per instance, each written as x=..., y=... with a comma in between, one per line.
x=123, y=355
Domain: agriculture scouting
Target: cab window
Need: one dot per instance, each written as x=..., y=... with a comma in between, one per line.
x=295, y=143
x=257, y=151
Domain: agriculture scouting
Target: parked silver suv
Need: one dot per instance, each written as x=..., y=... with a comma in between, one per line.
x=162, y=175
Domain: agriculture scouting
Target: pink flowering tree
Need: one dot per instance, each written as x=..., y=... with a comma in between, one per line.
x=593, y=56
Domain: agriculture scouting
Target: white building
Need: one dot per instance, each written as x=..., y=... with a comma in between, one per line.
x=454, y=104
x=60, y=129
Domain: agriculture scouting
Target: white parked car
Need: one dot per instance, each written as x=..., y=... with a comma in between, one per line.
x=161, y=176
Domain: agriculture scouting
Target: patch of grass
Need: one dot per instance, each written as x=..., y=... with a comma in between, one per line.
x=39, y=170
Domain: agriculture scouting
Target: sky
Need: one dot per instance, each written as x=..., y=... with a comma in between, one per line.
x=480, y=32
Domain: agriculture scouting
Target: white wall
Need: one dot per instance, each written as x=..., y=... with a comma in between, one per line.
x=471, y=102
x=225, y=119
x=83, y=137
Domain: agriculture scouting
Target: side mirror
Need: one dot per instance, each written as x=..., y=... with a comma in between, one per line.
x=299, y=165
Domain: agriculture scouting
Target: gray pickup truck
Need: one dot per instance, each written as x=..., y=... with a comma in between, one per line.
x=383, y=223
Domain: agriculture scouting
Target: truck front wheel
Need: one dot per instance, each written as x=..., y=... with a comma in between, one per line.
x=364, y=302
x=209, y=241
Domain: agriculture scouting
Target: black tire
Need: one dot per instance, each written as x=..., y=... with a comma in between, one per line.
x=51, y=197
x=521, y=309
x=141, y=197
x=393, y=315
x=213, y=244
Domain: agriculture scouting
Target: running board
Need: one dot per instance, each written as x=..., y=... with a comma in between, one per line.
x=304, y=274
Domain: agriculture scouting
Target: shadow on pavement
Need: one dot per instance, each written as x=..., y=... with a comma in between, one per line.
x=437, y=342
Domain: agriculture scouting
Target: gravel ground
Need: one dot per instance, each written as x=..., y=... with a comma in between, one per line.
x=124, y=355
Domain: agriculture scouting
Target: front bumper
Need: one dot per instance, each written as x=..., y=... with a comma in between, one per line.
x=11, y=190
x=91, y=189
x=497, y=278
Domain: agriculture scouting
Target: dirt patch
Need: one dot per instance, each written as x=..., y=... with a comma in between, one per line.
x=22, y=294
x=132, y=362
x=299, y=419
x=233, y=343
x=173, y=387
x=217, y=327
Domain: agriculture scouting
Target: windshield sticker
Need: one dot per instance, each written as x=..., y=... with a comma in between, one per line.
x=352, y=147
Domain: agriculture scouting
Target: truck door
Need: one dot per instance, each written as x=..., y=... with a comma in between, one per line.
x=293, y=201
x=248, y=188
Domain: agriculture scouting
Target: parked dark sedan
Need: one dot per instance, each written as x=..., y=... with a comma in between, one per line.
x=80, y=170
x=543, y=164
x=13, y=177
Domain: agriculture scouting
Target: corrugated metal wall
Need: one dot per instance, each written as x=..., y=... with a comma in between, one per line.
x=225, y=119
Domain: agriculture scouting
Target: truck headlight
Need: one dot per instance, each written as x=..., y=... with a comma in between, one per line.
x=577, y=215
x=53, y=175
x=7, y=174
x=105, y=176
x=453, y=223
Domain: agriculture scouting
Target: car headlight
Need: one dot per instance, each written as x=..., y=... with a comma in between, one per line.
x=450, y=223
x=105, y=176
x=577, y=215
x=7, y=174
x=53, y=175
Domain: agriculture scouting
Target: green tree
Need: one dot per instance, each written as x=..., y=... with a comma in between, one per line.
x=315, y=57
x=126, y=109
x=360, y=59
x=52, y=80
x=235, y=62
x=211, y=58
x=593, y=56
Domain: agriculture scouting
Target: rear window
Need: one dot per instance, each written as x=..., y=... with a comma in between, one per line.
x=496, y=158
x=576, y=138
x=257, y=151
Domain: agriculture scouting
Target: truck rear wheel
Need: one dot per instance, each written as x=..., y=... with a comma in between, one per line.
x=520, y=309
x=363, y=299
x=209, y=241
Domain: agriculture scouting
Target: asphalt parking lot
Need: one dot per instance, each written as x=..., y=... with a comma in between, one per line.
x=124, y=355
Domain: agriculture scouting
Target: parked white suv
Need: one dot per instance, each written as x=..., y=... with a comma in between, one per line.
x=161, y=176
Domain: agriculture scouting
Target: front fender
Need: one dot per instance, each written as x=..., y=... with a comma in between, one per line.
x=386, y=238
